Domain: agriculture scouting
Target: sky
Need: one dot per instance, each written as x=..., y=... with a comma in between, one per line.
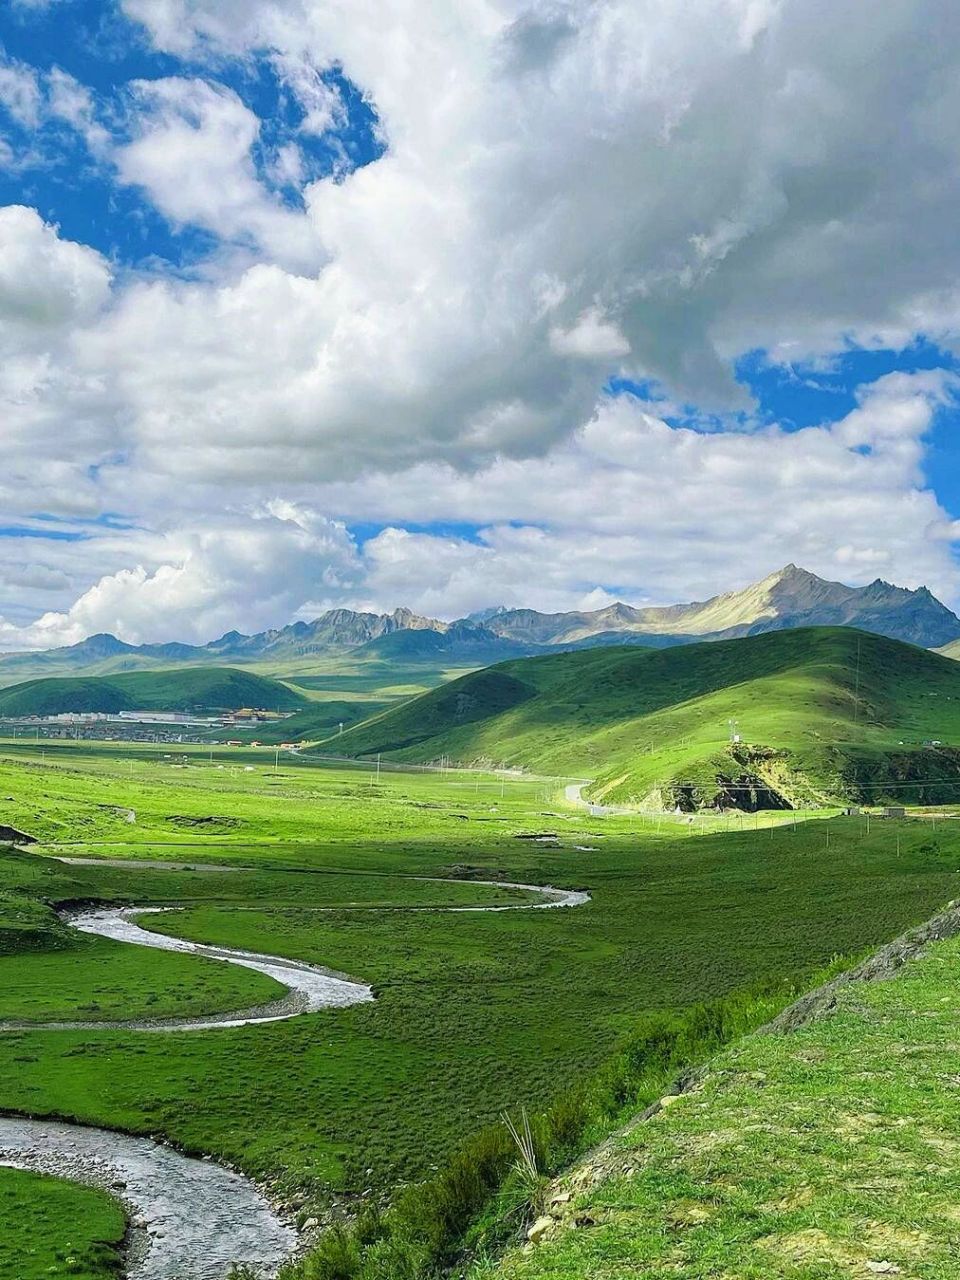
x=542, y=303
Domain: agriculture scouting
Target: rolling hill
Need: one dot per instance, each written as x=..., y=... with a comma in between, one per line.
x=822, y=714
x=187, y=689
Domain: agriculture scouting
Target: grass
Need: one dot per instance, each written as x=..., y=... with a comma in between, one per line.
x=54, y=1228
x=674, y=919
x=362, y=1099
x=831, y=1152
x=823, y=713
x=498, y=1179
x=185, y=689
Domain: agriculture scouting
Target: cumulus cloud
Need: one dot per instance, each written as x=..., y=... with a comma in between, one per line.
x=192, y=154
x=568, y=191
x=741, y=177
x=631, y=508
x=45, y=282
x=188, y=582
x=660, y=513
x=55, y=429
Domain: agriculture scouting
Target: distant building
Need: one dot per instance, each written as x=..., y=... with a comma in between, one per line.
x=895, y=811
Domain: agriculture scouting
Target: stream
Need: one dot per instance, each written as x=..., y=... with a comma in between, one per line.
x=192, y=1219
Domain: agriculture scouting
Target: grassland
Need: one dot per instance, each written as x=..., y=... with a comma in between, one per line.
x=826, y=1153
x=53, y=1228
x=474, y=1012
x=180, y=690
x=823, y=713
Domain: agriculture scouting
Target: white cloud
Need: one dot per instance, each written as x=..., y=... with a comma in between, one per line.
x=45, y=282
x=631, y=508
x=19, y=91
x=321, y=103
x=666, y=514
x=192, y=154
x=592, y=337
x=568, y=190
x=72, y=102
x=189, y=582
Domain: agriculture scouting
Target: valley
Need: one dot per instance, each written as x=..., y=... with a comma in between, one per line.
x=479, y=640
x=379, y=879
x=324, y=969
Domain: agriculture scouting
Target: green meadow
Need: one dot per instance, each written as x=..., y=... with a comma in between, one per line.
x=49, y=1227
x=474, y=1011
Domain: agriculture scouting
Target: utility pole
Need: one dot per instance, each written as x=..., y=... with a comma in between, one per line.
x=378, y=766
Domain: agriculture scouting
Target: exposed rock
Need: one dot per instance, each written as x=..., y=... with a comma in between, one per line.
x=540, y=1229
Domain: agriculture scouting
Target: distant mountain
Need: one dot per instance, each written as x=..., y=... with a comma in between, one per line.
x=335, y=631
x=788, y=599
x=99, y=650
x=460, y=642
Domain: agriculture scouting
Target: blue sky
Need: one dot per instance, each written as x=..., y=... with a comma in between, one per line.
x=302, y=306
x=99, y=47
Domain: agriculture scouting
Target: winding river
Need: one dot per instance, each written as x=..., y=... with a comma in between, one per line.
x=189, y=1219
x=192, y=1219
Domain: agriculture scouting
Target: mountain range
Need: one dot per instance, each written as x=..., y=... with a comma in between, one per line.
x=790, y=598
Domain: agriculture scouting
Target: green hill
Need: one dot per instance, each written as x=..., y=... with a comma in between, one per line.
x=822, y=714
x=187, y=689
x=321, y=719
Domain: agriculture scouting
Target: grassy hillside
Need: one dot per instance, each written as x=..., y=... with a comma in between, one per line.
x=822, y=713
x=178, y=690
x=319, y=719
x=828, y=1152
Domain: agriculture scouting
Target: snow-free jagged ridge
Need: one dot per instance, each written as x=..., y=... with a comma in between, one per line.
x=792, y=597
